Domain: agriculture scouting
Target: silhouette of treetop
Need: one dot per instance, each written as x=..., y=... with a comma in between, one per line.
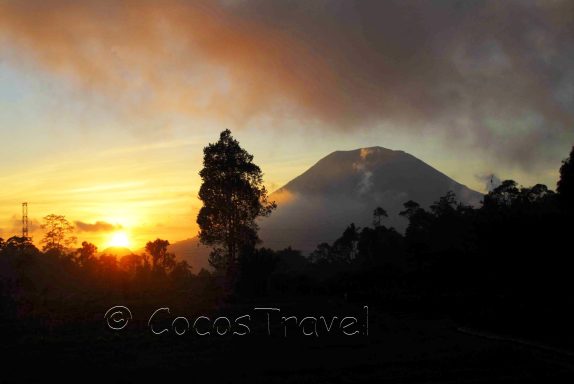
x=233, y=196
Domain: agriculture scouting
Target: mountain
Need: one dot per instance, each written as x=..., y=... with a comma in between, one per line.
x=345, y=187
x=192, y=251
x=342, y=188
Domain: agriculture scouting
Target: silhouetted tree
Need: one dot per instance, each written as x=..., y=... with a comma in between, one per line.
x=181, y=272
x=290, y=259
x=345, y=247
x=503, y=195
x=322, y=254
x=161, y=258
x=378, y=215
x=132, y=263
x=256, y=268
x=343, y=251
x=107, y=265
x=18, y=245
x=58, y=233
x=379, y=246
x=565, y=186
x=445, y=204
x=233, y=196
x=411, y=208
x=86, y=253
x=535, y=194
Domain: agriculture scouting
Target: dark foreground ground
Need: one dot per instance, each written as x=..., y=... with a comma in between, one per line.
x=401, y=347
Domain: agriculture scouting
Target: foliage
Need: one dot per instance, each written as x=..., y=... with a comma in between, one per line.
x=58, y=234
x=161, y=258
x=378, y=214
x=233, y=196
x=86, y=253
x=565, y=186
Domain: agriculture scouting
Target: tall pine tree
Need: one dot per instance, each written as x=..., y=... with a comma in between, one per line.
x=233, y=197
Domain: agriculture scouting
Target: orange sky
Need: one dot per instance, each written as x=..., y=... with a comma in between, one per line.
x=105, y=106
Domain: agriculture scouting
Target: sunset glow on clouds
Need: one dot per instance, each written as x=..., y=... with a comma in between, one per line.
x=105, y=106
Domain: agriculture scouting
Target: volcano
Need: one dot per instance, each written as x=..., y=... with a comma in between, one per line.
x=345, y=187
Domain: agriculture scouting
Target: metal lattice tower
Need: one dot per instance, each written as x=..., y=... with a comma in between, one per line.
x=25, y=220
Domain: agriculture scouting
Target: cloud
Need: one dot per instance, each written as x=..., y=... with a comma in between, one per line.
x=365, y=183
x=496, y=77
x=34, y=227
x=282, y=196
x=98, y=226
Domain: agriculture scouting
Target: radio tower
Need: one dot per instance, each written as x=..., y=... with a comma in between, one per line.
x=25, y=220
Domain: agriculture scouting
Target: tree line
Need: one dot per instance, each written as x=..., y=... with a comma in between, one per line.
x=502, y=261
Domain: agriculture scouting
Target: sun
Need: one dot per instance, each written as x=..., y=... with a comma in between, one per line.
x=119, y=239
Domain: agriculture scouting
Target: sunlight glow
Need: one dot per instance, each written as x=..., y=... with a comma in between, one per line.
x=119, y=239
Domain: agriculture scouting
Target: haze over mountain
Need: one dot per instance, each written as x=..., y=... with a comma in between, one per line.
x=117, y=251
x=192, y=251
x=342, y=188
x=345, y=187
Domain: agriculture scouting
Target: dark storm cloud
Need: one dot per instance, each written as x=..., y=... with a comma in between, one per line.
x=494, y=76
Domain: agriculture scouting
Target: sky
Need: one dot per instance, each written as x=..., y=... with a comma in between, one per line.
x=105, y=106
